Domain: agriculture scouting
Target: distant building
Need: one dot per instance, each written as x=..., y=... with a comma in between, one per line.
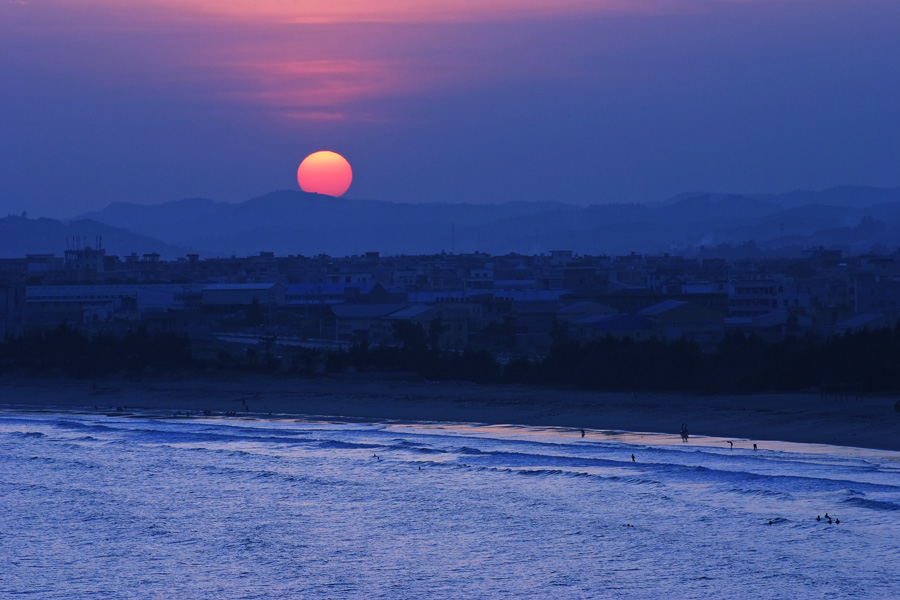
x=677, y=319
x=617, y=325
x=52, y=304
x=12, y=302
x=451, y=323
x=863, y=322
x=365, y=323
x=244, y=294
x=85, y=261
x=752, y=298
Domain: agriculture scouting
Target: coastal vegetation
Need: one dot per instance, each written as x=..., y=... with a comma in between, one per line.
x=852, y=363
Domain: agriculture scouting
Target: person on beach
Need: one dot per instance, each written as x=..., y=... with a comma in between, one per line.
x=632, y=458
x=582, y=433
x=754, y=446
x=731, y=445
x=684, y=432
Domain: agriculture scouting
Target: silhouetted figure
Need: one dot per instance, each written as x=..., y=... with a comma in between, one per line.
x=829, y=520
x=632, y=458
x=731, y=445
x=826, y=516
x=836, y=520
x=582, y=433
x=684, y=432
x=754, y=446
x=818, y=518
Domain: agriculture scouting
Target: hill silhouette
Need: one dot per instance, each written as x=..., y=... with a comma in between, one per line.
x=287, y=222
x=20, y=235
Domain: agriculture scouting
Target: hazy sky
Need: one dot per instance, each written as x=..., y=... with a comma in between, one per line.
x=583, y=101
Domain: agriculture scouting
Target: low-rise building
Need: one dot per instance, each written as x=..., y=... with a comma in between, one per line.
x=244, y=294
x=678, y=319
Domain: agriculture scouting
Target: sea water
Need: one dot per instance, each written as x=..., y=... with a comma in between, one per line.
x=148, y=506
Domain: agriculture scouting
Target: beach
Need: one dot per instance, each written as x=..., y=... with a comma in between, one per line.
x=867, y=422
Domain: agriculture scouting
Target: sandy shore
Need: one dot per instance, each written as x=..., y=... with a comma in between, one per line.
x=809, y=418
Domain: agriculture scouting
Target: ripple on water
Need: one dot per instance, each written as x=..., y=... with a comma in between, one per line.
x=224, y=509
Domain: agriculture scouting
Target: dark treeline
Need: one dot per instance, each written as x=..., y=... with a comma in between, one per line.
x=68, y=351
x=851, y=363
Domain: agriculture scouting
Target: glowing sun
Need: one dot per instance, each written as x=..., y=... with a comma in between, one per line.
x=325, y=172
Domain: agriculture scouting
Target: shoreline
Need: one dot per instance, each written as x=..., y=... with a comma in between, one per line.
x=869, y=422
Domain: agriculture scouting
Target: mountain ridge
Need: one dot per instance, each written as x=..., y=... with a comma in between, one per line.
x=288, y=222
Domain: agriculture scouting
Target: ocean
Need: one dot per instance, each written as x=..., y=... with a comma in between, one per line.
x=157, y=506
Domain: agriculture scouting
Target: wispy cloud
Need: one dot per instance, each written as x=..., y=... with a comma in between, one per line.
x=403, y=11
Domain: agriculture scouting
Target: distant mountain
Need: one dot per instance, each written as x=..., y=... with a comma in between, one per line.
x=851, y=196
x=20, y=236
x=295, y=222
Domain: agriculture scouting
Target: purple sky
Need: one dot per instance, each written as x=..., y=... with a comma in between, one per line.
x=583, y=101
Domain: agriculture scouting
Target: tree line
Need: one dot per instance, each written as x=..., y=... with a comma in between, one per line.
x=860, y=362
x=67, y=351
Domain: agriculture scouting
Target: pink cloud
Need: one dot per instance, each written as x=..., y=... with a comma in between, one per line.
x=309, y=59
x=403, y=11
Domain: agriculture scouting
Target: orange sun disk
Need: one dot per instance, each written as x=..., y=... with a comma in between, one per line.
x=325, y=172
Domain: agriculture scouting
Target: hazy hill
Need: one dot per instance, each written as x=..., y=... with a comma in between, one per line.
x=294, y=222
x=20, y=236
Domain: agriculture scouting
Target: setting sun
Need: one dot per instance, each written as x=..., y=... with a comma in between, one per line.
x=325, y=172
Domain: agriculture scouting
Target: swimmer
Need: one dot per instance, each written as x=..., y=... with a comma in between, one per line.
x=836, y=520
x=818, y=518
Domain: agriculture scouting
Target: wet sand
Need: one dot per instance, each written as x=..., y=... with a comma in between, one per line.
x=867, y=422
